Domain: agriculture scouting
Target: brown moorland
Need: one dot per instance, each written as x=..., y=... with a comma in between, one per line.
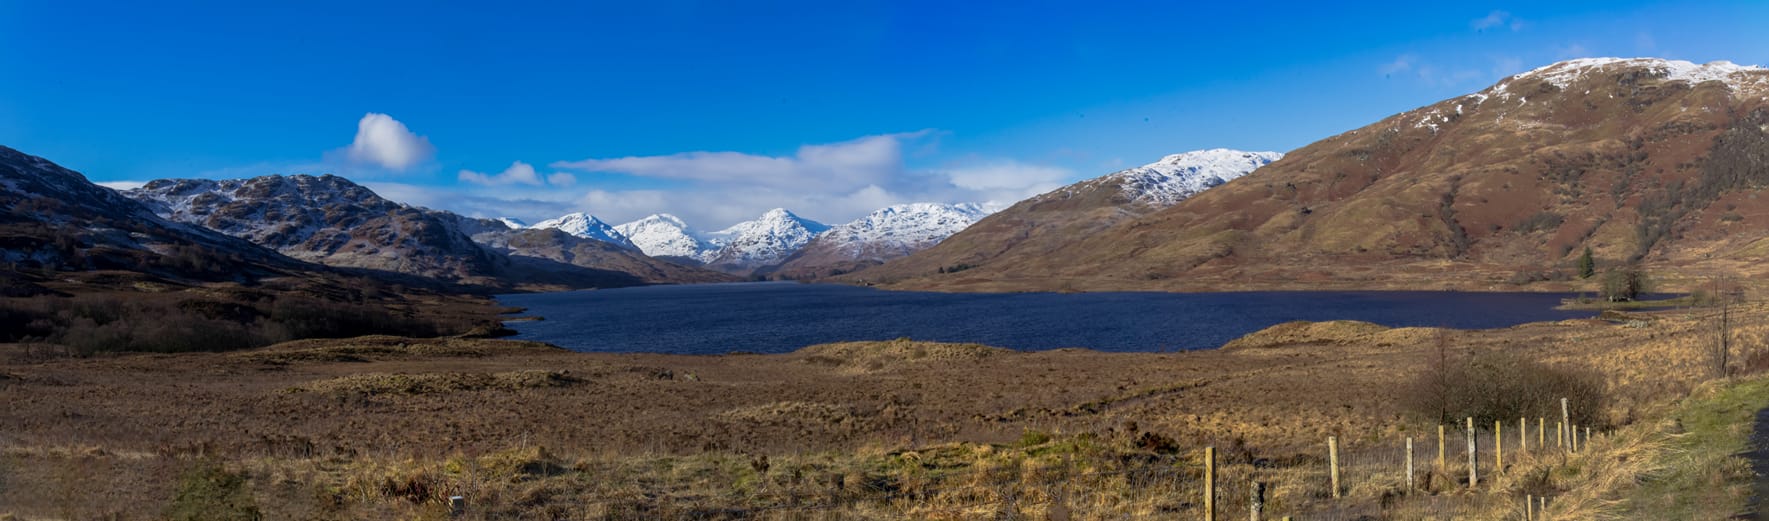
x=385, y=427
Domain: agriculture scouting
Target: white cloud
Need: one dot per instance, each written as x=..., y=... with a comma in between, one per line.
x=518, y=173
x=845, y=165
x=122, y=185
x=384, y=141
x=1008, y=181
x=832, y=183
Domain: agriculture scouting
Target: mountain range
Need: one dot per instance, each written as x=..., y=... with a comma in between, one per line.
x=332, y=221
x=1646, y=162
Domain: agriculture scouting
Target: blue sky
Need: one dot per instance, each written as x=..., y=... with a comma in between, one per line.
x=717, y=111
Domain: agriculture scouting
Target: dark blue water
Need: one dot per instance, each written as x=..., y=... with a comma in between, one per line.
x=777, y=317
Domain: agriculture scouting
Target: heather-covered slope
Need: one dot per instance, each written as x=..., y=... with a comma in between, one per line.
x=1642, y=160
x=55, y=219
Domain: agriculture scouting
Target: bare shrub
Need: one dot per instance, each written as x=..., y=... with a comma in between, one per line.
x=1492, y=386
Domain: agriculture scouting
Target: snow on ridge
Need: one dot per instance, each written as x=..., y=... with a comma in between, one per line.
x=586, y=226
x=1563, y=74
x=1179, y=176
x=912, y=225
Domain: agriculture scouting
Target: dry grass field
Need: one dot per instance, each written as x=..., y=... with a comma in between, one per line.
x=388, y=427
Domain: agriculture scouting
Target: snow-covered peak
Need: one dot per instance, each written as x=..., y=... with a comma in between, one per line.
x=911, y=226
x=513, y=223
x=1178, y=176
x=778, y=221
x=1563, y=74
x=660, y=235
x=586, y=226
x=766, y=240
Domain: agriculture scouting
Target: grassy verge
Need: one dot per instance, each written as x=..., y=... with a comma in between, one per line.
x=1703, y=473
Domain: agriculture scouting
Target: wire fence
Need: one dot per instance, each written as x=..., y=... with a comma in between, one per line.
x=1352, y=479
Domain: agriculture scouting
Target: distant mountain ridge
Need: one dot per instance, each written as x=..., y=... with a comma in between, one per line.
x=324, y=219
x=1031, y=228
x=1174, y=178
x=888, y=233
x=330, y=220
x=586, y=226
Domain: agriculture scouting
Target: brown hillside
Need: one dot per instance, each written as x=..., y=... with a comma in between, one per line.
x=1642, y=160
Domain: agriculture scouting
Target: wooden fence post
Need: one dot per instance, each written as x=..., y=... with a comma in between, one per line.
x=1572, y=437
x=1333, y=463
x=1559, y=435
x=1258, y=508
x=1587, y=435
x=1409, y=464
x=1209, y=483
x=1498, y=447
x=1529, y=507
x=1473, y=456
x=1522, y=434
x=1565, y=413
x=1542, y=432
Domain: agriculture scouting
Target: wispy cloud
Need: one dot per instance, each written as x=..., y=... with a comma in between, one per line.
x=1400, y=64
x=1497, y=19
x=1433, y=74
x=518, y=173
x=385, y=142
x=1571, y=50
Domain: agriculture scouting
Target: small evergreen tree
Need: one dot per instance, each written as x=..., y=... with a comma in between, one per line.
x=1587, y=265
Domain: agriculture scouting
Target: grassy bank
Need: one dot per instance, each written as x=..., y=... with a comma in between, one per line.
x=1702, y=472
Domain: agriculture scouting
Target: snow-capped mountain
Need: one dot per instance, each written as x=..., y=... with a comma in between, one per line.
x=885, y=234
x=1563, y=74
x=58, y=220
x=665, y=235
x=1174, y=178
x=325, y=219
x=765, y=241
x=1059, y=217
x=586, y=226
x=330, y=220
x=512, y=223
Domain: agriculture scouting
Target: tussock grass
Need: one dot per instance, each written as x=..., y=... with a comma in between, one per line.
x=864, y=357
x=383, y=347
x=435, y=383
